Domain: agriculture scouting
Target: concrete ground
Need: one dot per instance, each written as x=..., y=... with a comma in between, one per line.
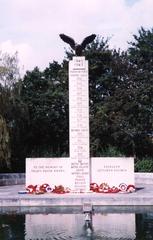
x=9, y=197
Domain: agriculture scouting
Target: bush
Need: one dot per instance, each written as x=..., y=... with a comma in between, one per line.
x=111, y=151
x=144, y=165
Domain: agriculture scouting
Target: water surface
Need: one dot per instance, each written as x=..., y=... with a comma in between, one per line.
x=65, y=226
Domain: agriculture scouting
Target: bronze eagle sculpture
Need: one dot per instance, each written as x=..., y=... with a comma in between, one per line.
x=78, y=48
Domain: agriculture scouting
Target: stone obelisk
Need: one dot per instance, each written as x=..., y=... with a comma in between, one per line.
x=79, y=123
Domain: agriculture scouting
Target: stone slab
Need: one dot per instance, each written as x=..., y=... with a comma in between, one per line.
x=53, y=171
x=113, y=171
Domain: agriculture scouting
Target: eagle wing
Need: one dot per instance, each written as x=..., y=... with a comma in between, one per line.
x=68, y=40
x=87, y=40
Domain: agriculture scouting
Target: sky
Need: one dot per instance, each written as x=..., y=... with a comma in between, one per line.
x=32, y=27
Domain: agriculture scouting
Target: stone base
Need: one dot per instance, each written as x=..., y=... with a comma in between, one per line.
x=107, y=173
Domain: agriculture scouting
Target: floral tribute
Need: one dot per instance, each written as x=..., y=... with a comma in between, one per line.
x=46, y=188
x=94, y=187
x=105, y=188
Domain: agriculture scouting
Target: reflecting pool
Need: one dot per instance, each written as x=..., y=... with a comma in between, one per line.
x=73, y=225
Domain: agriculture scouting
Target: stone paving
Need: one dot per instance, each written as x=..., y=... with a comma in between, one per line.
x=9, y=197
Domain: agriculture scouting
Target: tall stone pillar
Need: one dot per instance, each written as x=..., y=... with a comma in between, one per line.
x=79, y=124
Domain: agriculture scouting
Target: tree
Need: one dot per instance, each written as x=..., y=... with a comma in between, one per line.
x=4, y=145
x=45, y=94
x=9, y=69
x=110, y=121
x=9, y=92
x=141, y=50
x=141, y=57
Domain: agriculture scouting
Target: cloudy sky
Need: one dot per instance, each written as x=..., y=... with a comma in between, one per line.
x=32, y=27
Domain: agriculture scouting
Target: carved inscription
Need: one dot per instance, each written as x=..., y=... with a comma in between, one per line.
x=79, y=123
x=113, y=171
x=54, y=171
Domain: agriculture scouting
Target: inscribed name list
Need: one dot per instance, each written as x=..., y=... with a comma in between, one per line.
x=79, y=123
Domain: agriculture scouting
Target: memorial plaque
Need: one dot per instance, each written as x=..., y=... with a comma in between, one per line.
x=53, y=171
x=79, y=123
x=114, y=171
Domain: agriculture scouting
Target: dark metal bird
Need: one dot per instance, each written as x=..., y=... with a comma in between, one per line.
x=78, y=48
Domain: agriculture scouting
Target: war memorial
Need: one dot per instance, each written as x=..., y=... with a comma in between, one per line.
x=80, y=172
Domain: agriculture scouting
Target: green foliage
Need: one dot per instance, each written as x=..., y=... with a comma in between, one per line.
x=121, y=104
x=45, y=94
x=109, y=151
x=12, y=113
x=110, y=117
x=144, y=165
x=141, y=50
x=141, y=57
x=4, y=145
